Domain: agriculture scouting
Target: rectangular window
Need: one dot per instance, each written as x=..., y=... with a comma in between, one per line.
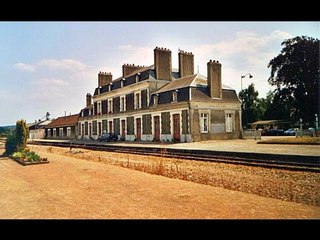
x=122, y=104
x=99, y=108
x=229, y=122
x=137, y=101
x=86, y=132
x=94, y=127
x=204, y=122
x=68, y=131
x=104, y=126
x=54, y=132
x=110, y=106
x=61, y=132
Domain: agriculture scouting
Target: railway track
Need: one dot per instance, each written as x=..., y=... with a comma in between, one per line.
x=287, y=162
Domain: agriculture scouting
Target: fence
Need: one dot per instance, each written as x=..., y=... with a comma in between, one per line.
x=252, y=134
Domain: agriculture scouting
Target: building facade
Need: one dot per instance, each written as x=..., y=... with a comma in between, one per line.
x=158, y=103
x=63, y=127
x=37, y=130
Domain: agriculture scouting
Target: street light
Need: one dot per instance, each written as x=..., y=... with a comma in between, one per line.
x=243, y=76
x=242, y=107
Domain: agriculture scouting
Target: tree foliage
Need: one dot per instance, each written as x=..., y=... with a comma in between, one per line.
x=295, y=72
x=10, y=144
x=21, y=134
x=252, y=107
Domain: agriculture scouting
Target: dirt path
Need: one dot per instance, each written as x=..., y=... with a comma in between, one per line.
x=68, y=187
x=293, y=186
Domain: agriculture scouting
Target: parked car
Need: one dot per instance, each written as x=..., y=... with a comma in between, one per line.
x=274, y=132
x=290, y=132
x=108, y=137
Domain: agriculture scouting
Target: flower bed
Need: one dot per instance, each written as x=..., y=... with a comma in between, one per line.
x=26, y=157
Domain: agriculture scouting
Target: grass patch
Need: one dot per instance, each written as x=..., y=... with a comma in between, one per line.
x=298, y=140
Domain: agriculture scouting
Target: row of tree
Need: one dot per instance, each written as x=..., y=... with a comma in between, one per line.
x=295, y=73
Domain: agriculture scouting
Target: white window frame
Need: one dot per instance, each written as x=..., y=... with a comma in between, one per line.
x=204, y=117
x=155, y=99
x=175, y=96
x=110, y=105
x=54, y=132
x=68, y=131
x=61, y=132
x=137, y=102
x=229, y=119
x=122, y=103
x=99, y=108
x=138, y=77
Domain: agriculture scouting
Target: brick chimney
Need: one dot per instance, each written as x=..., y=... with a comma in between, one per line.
x=88, y=97
x=104, y=78
x=127, y=69
x=214, y=79
x=186, y=63
x=162, y=63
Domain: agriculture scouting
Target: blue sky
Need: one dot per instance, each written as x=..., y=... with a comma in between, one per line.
x=50, y=66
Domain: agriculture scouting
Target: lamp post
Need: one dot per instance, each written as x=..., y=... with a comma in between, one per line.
x=242, y=107
x=243, y=76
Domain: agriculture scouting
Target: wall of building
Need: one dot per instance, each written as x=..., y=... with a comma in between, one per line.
x=217, y=128
x=147, y=124
x=64, y=132
x=37, y=134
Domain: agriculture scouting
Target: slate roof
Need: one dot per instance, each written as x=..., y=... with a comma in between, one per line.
x=196, y=80
x=64, y=121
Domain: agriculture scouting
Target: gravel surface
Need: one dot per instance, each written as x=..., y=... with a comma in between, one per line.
x=294, y=186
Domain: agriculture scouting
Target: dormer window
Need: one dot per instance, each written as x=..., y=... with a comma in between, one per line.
x=155, y=99
x=122, y=82
x=175, y=96
x=138, y=77
x=110, y=87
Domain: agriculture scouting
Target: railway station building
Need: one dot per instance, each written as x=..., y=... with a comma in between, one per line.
x=159, y=103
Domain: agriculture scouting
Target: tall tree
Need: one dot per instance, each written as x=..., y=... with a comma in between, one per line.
x=276, y=107
x=251, y=108
x=295, y=72
x=21, y=134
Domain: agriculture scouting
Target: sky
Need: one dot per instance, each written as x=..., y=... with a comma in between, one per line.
x=51, y=66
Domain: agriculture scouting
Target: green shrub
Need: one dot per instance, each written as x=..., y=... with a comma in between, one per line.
x=22, y=133
x=33, y=157
x=10, y=145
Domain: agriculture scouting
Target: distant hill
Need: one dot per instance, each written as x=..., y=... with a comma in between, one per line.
x=7, y=129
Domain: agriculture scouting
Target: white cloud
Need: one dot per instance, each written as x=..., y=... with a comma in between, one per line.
x=63, y=64
x=137, y=55
x=52, y=82
x=24, y=67
x=71, y=65
x=281, y=34
x=247, y=52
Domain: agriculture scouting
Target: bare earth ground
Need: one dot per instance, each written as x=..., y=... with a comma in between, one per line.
x=70, y=187
x=302, y=187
